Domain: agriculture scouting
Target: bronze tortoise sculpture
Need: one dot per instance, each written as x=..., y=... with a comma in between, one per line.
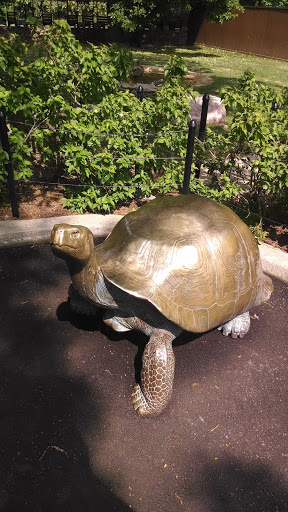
x=182, y=262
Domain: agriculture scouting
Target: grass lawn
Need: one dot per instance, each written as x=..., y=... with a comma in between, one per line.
x=222, y=66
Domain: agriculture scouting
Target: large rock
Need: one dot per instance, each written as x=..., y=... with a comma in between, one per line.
x=216, y=111
x=138, y=71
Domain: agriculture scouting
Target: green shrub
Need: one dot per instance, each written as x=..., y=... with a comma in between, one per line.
x=175, y=70
x=110, y=146
x=101, y=139
x=253, y=150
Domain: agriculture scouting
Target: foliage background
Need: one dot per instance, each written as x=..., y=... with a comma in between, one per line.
x=64, y=106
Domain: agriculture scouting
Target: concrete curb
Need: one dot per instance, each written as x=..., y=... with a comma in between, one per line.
x=274, y=262
x=35, y=231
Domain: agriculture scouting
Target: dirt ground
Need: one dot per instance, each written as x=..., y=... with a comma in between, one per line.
x=156, y=73
x=70, y=440
x=40, y=201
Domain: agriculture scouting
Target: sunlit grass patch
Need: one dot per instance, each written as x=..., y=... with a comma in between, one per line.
x=224, y=67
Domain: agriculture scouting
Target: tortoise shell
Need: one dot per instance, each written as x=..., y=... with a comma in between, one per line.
x=191, y=257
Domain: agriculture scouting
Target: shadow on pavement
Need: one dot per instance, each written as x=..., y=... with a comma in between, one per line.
x=44, y=410
x=70, y=440
x=233, y=485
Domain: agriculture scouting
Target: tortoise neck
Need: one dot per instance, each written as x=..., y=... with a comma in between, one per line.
x=90, y=282
x=78, y=271
x=75, y=267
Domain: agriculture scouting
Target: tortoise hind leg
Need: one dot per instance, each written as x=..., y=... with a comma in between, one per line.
x=238, y=326
x=157, y=375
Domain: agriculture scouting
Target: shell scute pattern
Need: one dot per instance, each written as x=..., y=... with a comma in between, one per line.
x=193, y=258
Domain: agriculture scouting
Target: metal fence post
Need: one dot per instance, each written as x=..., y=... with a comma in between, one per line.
x=140, y=93
x=189, y=156
x=275, y=106
x=9, y=168
x=202, y=128
x=140, y=96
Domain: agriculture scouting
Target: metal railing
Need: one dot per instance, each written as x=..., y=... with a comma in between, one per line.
x=188, y=159
x=79, y=20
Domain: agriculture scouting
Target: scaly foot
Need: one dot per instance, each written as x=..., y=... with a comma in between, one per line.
x=140, y=404
x=156, y=376
x=238, y=326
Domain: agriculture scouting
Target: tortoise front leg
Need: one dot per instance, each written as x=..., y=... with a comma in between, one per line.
x=157, y=375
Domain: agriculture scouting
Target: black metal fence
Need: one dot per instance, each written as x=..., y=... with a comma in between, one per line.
x=188, y=161
x=79, y=14
x=9, y=167
x=11, y=182
x=82, y=20
x=89, y=20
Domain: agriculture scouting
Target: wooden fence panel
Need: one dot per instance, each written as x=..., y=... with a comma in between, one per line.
x=259, y=31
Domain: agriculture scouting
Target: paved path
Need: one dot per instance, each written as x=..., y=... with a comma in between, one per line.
x=70, y=440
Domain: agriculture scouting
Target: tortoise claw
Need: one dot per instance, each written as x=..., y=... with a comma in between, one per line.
x=237, y=327
x=138, y=401
x=136, y=396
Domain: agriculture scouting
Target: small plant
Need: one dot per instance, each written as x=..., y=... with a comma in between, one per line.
x=122, y=59
x=175, y=70
x=258, y=231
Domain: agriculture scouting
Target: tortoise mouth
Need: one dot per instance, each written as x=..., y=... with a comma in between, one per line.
x=64, y=246
x=65, y=250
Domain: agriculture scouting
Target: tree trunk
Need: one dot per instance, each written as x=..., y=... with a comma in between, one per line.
x=195, y=20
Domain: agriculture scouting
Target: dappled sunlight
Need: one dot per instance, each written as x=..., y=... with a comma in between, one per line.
x=224, y=67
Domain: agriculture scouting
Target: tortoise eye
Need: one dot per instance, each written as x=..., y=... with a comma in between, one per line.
x=75, y=233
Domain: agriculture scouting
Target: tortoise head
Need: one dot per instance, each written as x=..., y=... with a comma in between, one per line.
x=68, y=240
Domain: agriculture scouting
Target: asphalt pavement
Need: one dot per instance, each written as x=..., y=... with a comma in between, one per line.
x=70, y=440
